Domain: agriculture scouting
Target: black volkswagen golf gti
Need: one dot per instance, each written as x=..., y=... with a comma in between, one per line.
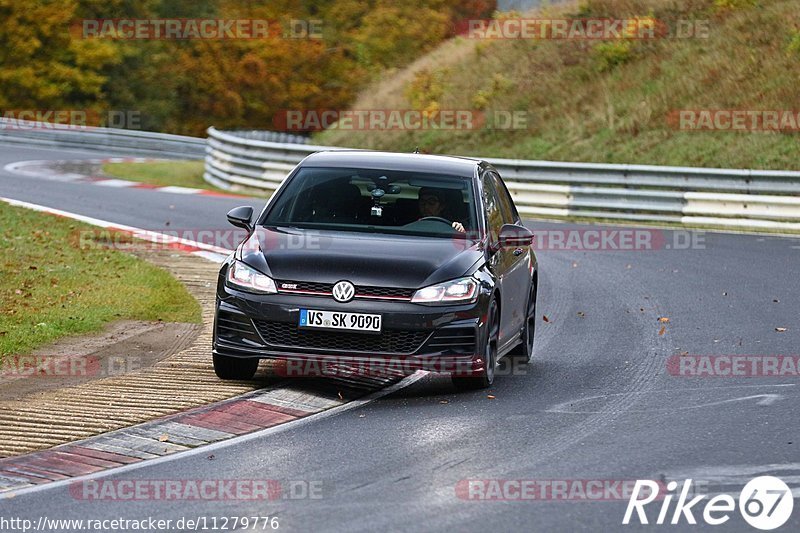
x=399, y=261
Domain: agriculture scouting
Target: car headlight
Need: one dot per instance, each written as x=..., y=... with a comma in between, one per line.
x=243, y=277
x=461, y=290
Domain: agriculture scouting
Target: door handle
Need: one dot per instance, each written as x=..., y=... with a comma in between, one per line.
x=518, y=251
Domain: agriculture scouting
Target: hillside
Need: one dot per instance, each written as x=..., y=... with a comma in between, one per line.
x=613, y=100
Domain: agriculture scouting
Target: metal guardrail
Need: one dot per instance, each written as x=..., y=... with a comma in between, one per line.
x=745, y=199
x=136, y=142
x=129, y=141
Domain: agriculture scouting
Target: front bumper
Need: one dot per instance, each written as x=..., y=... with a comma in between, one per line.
x=413, y=337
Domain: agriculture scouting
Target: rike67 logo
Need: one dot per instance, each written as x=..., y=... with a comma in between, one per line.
x=765, y=503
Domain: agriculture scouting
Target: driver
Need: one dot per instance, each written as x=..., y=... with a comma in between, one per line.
x=431, y=204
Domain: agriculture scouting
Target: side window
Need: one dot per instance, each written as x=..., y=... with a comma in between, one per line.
x=506, y=203
x=491, y=202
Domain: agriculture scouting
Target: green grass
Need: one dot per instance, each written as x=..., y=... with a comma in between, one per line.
x=163, y=173
x=52, y=286
x=608, y=102
x=166, y=173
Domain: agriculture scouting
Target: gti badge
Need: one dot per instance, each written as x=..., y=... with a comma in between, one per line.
x=343, y=291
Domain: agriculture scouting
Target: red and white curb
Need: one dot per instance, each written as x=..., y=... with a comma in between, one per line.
x=47, y=169
x=200, y=430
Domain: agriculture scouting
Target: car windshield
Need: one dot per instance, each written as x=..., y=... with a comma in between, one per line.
x=376, y=201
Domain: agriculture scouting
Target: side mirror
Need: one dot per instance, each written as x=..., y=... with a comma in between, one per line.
x=241, y=217
x=513, y=236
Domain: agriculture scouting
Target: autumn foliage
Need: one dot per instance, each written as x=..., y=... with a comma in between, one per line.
x=184, y=86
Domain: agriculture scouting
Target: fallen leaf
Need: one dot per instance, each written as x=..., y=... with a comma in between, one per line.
x=544, y=317
x=684, y=353
x=163, y=438
x=780, y=330
x=490, y=396
x=662, y=330
x=663, y=320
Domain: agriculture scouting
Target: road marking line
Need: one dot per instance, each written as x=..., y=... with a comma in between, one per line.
x=115, y=183
x=180, y=190
x=767, y=399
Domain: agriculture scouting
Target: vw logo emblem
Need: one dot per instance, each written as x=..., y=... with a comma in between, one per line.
x=344, y=291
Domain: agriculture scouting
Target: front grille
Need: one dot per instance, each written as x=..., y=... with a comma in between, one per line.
x=384, y=292
x=237, y=329
x=362, y=291
x=305, y=286
x=287, y=335
x=458, y=340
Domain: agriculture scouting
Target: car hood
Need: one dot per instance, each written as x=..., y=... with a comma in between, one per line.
x=362, y=258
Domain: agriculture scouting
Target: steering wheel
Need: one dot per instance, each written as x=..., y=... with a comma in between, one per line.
x=436, y=219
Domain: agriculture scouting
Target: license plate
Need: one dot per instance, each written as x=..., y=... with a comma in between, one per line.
x=310, y=318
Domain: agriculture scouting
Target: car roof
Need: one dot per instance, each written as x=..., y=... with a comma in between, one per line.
x=445, y=164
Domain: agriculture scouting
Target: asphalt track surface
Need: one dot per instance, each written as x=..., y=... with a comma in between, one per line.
x=597, y=403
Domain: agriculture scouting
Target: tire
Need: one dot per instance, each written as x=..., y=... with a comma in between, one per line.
x=235, y=367
x=523, y=352
x=490, y=350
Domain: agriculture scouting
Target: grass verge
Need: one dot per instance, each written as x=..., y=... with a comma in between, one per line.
x=612, y=101
x=170, y=173
x=53, y=286
x=163, y=173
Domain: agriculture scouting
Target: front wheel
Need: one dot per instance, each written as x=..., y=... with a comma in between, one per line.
x=523, y=352
x=486, y=379
x=234, y=367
